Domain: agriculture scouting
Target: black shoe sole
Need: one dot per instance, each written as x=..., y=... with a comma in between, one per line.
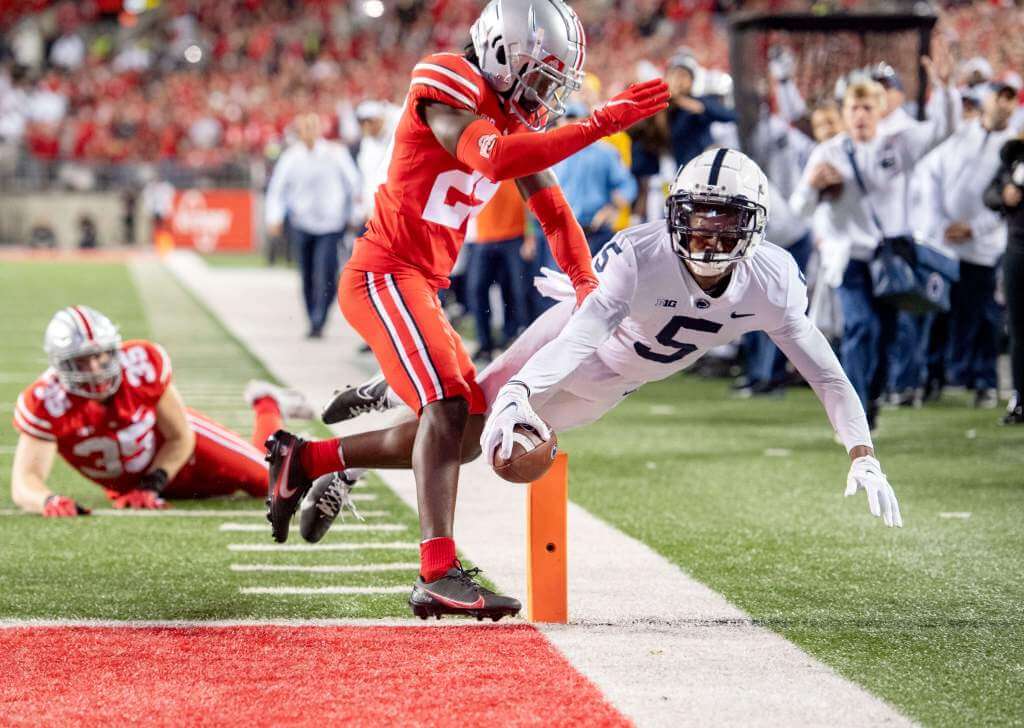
x=425, y=611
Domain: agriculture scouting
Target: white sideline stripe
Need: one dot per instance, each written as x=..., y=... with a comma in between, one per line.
x=304, y=590
x=410, y=623
x=327, y=568
x=678, y=654
x=383, y=545
x=337, y=527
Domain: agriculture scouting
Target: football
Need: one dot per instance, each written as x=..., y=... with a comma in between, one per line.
x=531, y=456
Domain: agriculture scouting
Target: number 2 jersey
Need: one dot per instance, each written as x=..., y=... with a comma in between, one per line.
x=648, y=319
x=421, y=210
x=113, y=442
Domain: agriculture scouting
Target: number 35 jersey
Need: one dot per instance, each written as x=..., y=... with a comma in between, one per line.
x=421, y=210
x=113, y=442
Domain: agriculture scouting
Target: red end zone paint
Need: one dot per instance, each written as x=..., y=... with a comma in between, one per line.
x=265, y=675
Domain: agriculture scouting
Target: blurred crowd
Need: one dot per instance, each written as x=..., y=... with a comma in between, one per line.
x=211, y=83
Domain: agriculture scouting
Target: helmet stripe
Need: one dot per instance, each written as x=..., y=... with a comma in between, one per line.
x=83, y=321
x=716, y=166
x=581, y=42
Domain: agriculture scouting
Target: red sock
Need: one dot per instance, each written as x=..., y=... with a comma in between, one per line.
x=320, y=457
x=268, y=420
x=437, y=555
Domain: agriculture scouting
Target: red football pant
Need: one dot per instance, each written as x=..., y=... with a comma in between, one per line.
x=400, y=318
x=223, y=462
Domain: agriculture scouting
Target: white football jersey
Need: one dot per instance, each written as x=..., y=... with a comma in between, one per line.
x=648, y=319
x=670, y=321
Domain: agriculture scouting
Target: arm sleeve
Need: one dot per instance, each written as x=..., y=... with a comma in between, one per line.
x=499, y=157
x=275, y=201
x=809, y=351
x=353, y=179
x=922, y=138
x=588, y=328
x=932, y=211
x=564, y=234
x=31, y=417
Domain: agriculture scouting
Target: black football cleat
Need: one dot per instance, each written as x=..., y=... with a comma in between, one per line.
x=370, y=396
x=288, y=481
x=458, y=593
x=329, y=497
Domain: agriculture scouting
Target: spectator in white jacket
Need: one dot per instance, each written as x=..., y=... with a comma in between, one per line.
x=950, y=183
x=866, y=177
x=315, y=184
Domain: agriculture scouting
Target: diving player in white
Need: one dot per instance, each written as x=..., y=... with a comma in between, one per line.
x=667, y=294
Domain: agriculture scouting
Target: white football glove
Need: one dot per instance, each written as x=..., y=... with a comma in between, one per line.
x=866, y=474
x=511, y=407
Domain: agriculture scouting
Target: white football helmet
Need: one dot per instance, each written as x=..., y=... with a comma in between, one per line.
x=531, y=52
x=719, y=182
x=82, y=346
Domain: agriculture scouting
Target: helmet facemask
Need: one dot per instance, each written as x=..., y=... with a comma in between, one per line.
x=93, y=373
x=711, y=233
x=541, y=86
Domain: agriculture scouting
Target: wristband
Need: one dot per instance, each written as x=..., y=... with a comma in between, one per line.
x=155, y=480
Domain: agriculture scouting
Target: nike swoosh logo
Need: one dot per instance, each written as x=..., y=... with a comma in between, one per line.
x=741, y=315
x=363, y=391
x=478, y=604
x=283, y=491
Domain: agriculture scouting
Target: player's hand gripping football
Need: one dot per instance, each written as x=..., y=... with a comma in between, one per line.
x=866, y=474
x=60, y=506
x=636, y=103
x=511, y=407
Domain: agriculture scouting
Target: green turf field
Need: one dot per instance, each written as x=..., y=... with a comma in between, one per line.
x=744, y=495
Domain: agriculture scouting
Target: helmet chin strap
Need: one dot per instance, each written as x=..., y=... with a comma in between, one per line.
x=716, y=270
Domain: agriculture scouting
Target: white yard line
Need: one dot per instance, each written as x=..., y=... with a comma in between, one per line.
x=412, y=566
x=318, y=590
x=368, y=546
x=665, y=649
x=167, y=513
x=336, y=528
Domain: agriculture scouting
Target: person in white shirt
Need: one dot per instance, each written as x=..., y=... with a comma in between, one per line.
x=667, y=294
x=950, y=183
x=862, y=179
x=377, y=121
x=315, y=185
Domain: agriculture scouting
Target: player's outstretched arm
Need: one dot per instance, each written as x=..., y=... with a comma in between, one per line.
x=562, y=229
x=806, y=347
x=476, y=142
x=33, y=461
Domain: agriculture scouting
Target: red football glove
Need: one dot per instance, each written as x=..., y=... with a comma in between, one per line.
x=60, y=506
x=634, y=104
x=142, y=499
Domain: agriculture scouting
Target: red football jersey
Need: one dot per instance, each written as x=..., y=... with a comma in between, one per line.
x=113, y=442
x=421, y=210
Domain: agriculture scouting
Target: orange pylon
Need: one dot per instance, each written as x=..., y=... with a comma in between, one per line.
x=547, y=597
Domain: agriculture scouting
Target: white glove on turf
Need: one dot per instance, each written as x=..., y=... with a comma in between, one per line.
x=511, y=407
x=866, y=474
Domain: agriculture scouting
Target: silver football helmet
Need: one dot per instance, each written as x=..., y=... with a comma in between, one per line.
x=720, y=196
x=83, y=345
x=532, y=52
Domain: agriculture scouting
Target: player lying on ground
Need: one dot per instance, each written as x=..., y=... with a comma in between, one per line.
x=667, y=294
x=465, y=127
x=110, y=410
